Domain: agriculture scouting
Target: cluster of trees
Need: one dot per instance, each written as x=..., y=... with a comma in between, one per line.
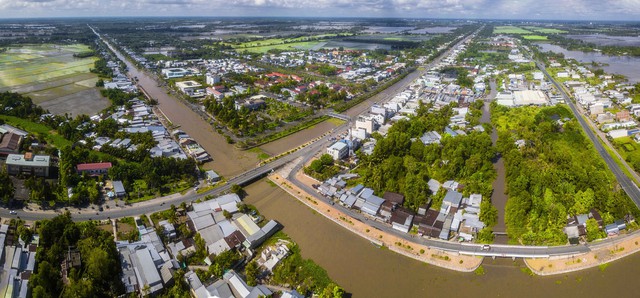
x=100, y=68
x=462, y=76
x=322, y=96
x=305, y=275
x=17, y=105
x=557, y=173
x=399, y=164
x=323, y=69
x=322, y=168
x=118, y=97
x=485, y=53
x=157, y=172
x=243, y=121
x=98, y=274
x=7, y=190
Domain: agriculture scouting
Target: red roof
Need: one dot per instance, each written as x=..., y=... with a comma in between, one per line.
x=94, y=166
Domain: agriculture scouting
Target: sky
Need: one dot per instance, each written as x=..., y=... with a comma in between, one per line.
x=472, y=9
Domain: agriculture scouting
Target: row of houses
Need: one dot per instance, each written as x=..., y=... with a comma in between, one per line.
x=18, y=263
x=457, y=215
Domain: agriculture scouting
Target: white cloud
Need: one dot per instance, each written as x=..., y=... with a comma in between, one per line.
x=504, y=9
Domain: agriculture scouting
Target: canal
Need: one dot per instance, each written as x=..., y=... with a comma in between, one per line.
x=498, y=196
x=367, y=271
x=227, y=160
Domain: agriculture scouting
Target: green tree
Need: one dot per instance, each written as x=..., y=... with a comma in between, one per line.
x=7, y=190
x=593, y=230
x=252, y=272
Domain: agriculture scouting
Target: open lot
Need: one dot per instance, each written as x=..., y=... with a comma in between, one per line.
x=510, y=30
x=52, y=77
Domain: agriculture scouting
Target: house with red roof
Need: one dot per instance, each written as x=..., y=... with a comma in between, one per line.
x=93, y=169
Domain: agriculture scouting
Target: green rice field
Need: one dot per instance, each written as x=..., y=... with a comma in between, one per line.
x=535, y=37
x=510, y=30
x=52, y=77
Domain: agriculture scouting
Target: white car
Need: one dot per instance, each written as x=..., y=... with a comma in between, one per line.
x=13, y=212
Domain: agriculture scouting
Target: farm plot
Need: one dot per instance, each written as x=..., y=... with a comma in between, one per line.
x=52, y=77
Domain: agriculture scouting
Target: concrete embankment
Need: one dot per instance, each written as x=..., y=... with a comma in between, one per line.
x=415, y=251
x=600, y=255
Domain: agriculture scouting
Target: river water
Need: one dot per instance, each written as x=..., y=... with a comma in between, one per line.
x=624, y=65
x=227, y=160
x=367, y=271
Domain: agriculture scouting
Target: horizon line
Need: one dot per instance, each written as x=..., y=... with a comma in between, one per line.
x=326, y=17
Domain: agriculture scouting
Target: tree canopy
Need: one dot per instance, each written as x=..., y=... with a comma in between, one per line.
x=557, y=173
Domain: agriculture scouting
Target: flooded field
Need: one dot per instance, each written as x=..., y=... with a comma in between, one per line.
x=53, y=78
x=278, y=146
x=88, y=102
x=367, y=271
x=608, y=40
x=227, y=160
x=334, y=44
x=383, y=29
x=433, y=30
x=624, y=65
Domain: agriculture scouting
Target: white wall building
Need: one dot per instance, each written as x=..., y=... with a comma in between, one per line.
x=338, y=151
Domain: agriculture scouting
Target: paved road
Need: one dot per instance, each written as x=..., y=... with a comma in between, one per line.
x=627, y=185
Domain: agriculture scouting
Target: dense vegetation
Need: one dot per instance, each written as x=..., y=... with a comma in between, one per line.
x=557, y=173
x=322, y=168
x=307, y=275
x=402, y=163
x=98, y=274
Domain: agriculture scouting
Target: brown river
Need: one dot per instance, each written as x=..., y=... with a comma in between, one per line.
x=367, y=271
x=227, y=160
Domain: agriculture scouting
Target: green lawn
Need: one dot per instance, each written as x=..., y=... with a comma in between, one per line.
x=534, y=37
x=510, y=30
x=261, y=154
x=50, y=135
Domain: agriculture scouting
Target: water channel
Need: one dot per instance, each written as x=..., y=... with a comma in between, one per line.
x=624, y=65
x=227, y=160
x=367, y=271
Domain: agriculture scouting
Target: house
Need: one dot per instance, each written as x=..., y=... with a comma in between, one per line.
x=338, y=150
x=241, y=289
x=395, y=198
x=10, y=143
x=212, y=176
x=188, y=87
x=118, y=189
x=171, y=73
x=402, y=219
x=451, y=202
x=93, y=169
x=372, y=205
x=431, y=137
x=212, y=79
x=28, y=164
x=169, y=230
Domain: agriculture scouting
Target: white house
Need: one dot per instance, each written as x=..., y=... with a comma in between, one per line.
x=338, y=151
